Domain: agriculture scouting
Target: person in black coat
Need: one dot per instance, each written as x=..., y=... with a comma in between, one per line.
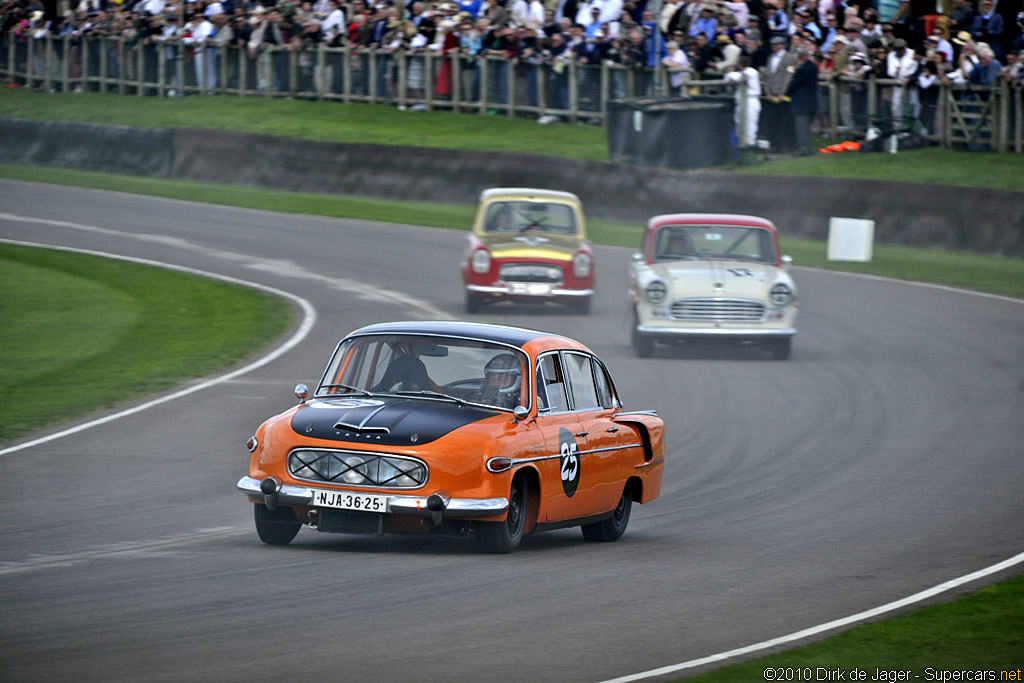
x=803, y=100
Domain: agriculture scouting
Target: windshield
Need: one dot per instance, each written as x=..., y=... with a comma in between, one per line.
x=739, y=242
x=430, y=368
x=544, y=217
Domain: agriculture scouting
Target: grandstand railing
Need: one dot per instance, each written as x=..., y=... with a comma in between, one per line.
x=987, y=117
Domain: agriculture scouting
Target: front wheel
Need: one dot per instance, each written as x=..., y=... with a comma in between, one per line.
x=781, y=349
x=581, y=306
x=504, y=537
x=472, y=304
x=613, y=527
x=275, y=528
x=644, y=346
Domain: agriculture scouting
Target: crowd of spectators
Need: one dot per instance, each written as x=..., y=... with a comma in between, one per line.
x=919, y=43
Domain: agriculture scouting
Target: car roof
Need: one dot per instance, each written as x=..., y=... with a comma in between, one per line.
x=527, y=192
x=516, y=336
x=656, y=222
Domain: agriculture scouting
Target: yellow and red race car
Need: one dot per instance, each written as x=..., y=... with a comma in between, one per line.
x=458, y=429
x=528, y=245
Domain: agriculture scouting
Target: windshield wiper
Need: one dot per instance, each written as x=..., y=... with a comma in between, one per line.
x=432, y=394
x=364, y=392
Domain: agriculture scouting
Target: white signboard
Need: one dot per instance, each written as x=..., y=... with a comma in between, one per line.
x=850, y=239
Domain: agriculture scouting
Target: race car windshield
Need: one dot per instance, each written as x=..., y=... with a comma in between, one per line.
x=429, y=368
x=530, y=217
x=735, y=242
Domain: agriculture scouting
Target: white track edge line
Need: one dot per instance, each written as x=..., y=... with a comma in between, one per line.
x=914, y=283
x=309, y=319
x=814, y=630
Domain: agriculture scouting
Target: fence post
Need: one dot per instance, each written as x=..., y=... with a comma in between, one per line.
x=574, y=95
x=510, y=82
x=179, y=67
x=833, y=109
x=66, y=66
x=542, y=91
x=1004, y=116
x=428, y=79
x=122, y=81
x=10, y=58
x=403, y=84
x=456, y=81
x=1018, y=132
x=293, y=73
x=485, y=68
x=47, y=63
x=30, y=49
x=161, y=69
x=605, y=91
x=243, y=70
x=140, y=69
x=371, y=76
x=321, y=69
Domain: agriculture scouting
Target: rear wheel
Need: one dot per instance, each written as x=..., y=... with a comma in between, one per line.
x=613, y=527
x=781, y=348
x=275, y=528
x=504, y=537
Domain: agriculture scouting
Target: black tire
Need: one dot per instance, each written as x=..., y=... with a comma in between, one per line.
x=581, y=306
x=644, y=346
x=504, y=537
x=781, y=349
x=275, y=528
x=472, y=304
x=613, y=527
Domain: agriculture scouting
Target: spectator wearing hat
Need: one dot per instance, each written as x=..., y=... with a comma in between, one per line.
x=776, y=122
x=988, y=27
x=705, y=23
x=802, y=92
x=730, y=55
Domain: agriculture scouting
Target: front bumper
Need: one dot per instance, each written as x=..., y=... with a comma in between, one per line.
x=416, y=506
x=681, y=333
x=509, y=290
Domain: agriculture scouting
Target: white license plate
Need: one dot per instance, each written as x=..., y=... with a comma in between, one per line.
x=347, y=500
x=529, y=288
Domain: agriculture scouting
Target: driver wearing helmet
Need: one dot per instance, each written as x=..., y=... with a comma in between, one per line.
x=502, y=379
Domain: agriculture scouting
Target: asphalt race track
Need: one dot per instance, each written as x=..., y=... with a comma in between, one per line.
x=883, y=459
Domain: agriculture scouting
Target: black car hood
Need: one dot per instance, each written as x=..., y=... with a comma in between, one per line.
x=384, y=420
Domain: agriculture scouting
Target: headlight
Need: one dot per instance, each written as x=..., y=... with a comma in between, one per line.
x=781, y=294
x=581, y=264
x=656, y=291
x=481, y=261
x=356, y=474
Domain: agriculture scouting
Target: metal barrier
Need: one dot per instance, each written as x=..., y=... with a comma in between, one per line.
x=979, y=116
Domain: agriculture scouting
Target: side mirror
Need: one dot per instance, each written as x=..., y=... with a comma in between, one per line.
x=638, y=257
x=520, y=413
x=301, y=392
x=787, y=262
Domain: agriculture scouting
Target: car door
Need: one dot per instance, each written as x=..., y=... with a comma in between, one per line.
x=562, y=470
x=598, y=437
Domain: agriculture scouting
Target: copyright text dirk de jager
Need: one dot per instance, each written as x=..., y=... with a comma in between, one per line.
x=821, y=673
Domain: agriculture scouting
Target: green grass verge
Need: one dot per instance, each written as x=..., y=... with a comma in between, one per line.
x=385, y=125
x=82, y=333
x=981, y=632
x=982, y=273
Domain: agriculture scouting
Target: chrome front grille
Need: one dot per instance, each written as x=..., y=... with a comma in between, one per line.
x=355, y=468
x=530, y=272
x=717, y=310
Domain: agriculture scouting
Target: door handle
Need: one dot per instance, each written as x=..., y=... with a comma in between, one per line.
x=613, y=429
x=581, y=434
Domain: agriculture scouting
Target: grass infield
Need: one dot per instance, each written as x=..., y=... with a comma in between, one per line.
x=982, y=632
x=82, y=333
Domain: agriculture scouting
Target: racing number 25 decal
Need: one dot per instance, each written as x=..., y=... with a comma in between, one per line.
x=570, y=460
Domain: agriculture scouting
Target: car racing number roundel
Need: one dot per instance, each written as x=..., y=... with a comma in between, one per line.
x=570, y=460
